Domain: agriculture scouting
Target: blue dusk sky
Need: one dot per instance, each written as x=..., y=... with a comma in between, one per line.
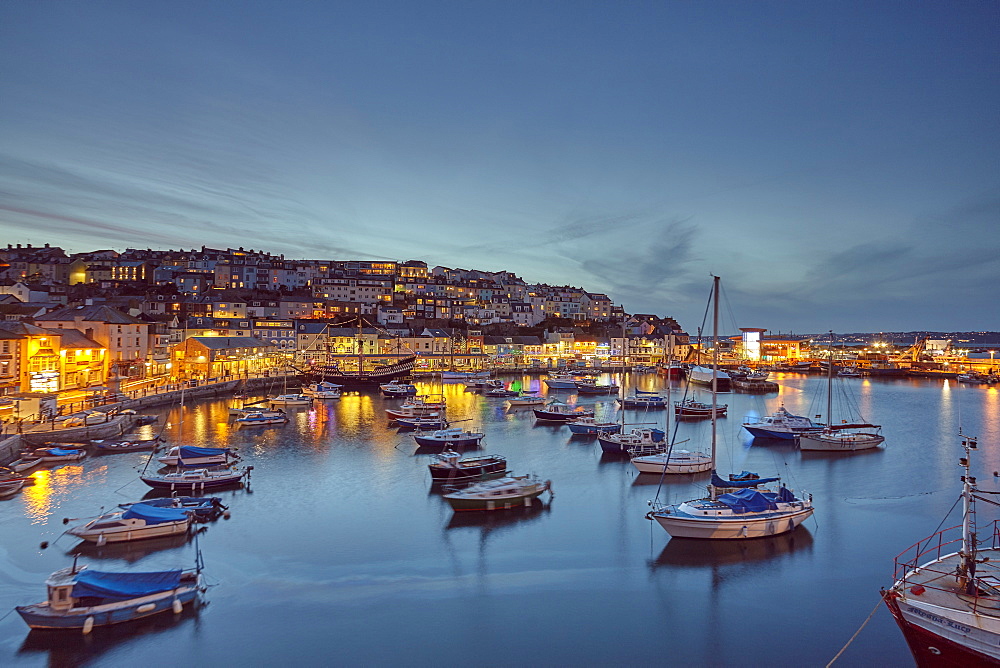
x=837, y=163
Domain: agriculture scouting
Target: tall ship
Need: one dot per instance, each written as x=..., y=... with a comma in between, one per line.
x=358, y=372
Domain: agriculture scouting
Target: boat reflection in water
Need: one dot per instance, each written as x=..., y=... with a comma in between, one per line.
x=77, y=649
x=129, y=551
x=700, y=554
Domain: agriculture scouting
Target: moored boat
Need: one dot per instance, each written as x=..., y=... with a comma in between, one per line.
x=693, y=409
x=136, y=522
x=643, y=400
x=673, y=461
x=261, y=417
x=703, y=376
x=638, y=441
x=781, y=424
x=526, y=400
x=588, y=425
x=54, y=454
x=189, y=455
x=454, y=437
x=201, y=508
x=946, y=595
x=500, y=494
x=394, y=389
x=322, y=390
x=290, y=400
x=589, y=387
x=113, y=445
x=197, y=480
x=560, y=381
x=558, y=412
x=80, y=598
x=418, y=406
x=448, y=467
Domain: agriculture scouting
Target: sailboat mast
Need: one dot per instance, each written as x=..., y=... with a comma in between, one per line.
x=715, y=355
x=968, y=568
x=829, y=386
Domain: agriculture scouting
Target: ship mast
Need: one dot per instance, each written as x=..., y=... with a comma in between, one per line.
x=967, y=570
x=715, y=360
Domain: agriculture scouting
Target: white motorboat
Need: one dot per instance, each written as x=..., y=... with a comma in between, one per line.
x=137, y=522
x=781, y=424
x=261, y=417
x=526, y=400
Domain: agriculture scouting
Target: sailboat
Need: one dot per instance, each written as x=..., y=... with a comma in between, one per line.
x=948, y=605
x=735, y=508
x=362, y=376
x=844, y=437
x=676, y=461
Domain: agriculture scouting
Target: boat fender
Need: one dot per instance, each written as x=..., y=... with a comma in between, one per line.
x=88, y=625
x=548, y=486
x=177, y=606
x=101, y=540
x=226, y=515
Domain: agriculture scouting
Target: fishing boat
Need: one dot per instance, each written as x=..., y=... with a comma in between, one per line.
x=189, y=455
x=688, y=409
x=735, y=508
x=322, y=390
x=781, y=424
x=197, y=480
x=53, y=454
x=394, y=389
x=136, y=522
x=448, y=467
x=559, y=412
x=454, y=437
x=946, y=594
x=560, y=381
x=500, y=494
x=589, y=426
x=843, y=437
x=114, y=445
x=526, y=400
x=637, y=441
x=80, y=598
x=258, y=418
x=200, y=508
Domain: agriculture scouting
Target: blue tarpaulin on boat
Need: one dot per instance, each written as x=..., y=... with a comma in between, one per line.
x=785, y=495
x=153, y=514
x=721, y=482
x=61, y=452
x=747, y=501
x=188, y=451
x=123, y=586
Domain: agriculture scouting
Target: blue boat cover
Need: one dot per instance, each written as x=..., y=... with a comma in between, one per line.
x=719, y=482
x=60, y=452
x=785, y=495
x=123, y=586
x=747, y=501
x=192, y=451
x=153, y=514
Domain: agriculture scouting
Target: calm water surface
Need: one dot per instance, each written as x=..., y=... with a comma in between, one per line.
x=340, y=553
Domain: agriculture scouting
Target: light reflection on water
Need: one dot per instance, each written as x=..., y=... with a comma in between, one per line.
x=340, y=533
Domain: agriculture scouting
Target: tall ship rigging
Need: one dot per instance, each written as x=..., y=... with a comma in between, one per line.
x=355, y=371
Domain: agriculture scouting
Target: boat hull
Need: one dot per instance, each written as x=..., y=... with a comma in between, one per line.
x=757, y=432
x=429, y=442
x=592, y=429
x=763, y=526
x=658, y=466
x=560, y=417
x=470, y=469
x=933, y=642
x=839, y=443
x=142, y=533
x=506, y=503
x=40, y=616
x=194, y=485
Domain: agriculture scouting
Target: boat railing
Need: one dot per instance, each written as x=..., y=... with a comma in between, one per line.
x=933, y=548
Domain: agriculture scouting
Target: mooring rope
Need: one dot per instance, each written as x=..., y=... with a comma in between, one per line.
x=863, y=624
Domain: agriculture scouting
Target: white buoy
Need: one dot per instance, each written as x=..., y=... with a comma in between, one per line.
x=88, y=625
x=178, y=606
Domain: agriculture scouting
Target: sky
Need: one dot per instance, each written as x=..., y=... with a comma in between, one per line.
x=836, y=163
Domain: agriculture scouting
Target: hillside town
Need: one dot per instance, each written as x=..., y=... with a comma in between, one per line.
x=106, y=322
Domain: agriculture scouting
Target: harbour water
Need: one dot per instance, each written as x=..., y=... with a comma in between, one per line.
x=340, y=553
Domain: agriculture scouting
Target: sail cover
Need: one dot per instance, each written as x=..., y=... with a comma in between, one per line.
x=719, y=482
x=123, y=586
x=153, y=514
x=747, y=501
x=61, y=452
x=188, y=451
